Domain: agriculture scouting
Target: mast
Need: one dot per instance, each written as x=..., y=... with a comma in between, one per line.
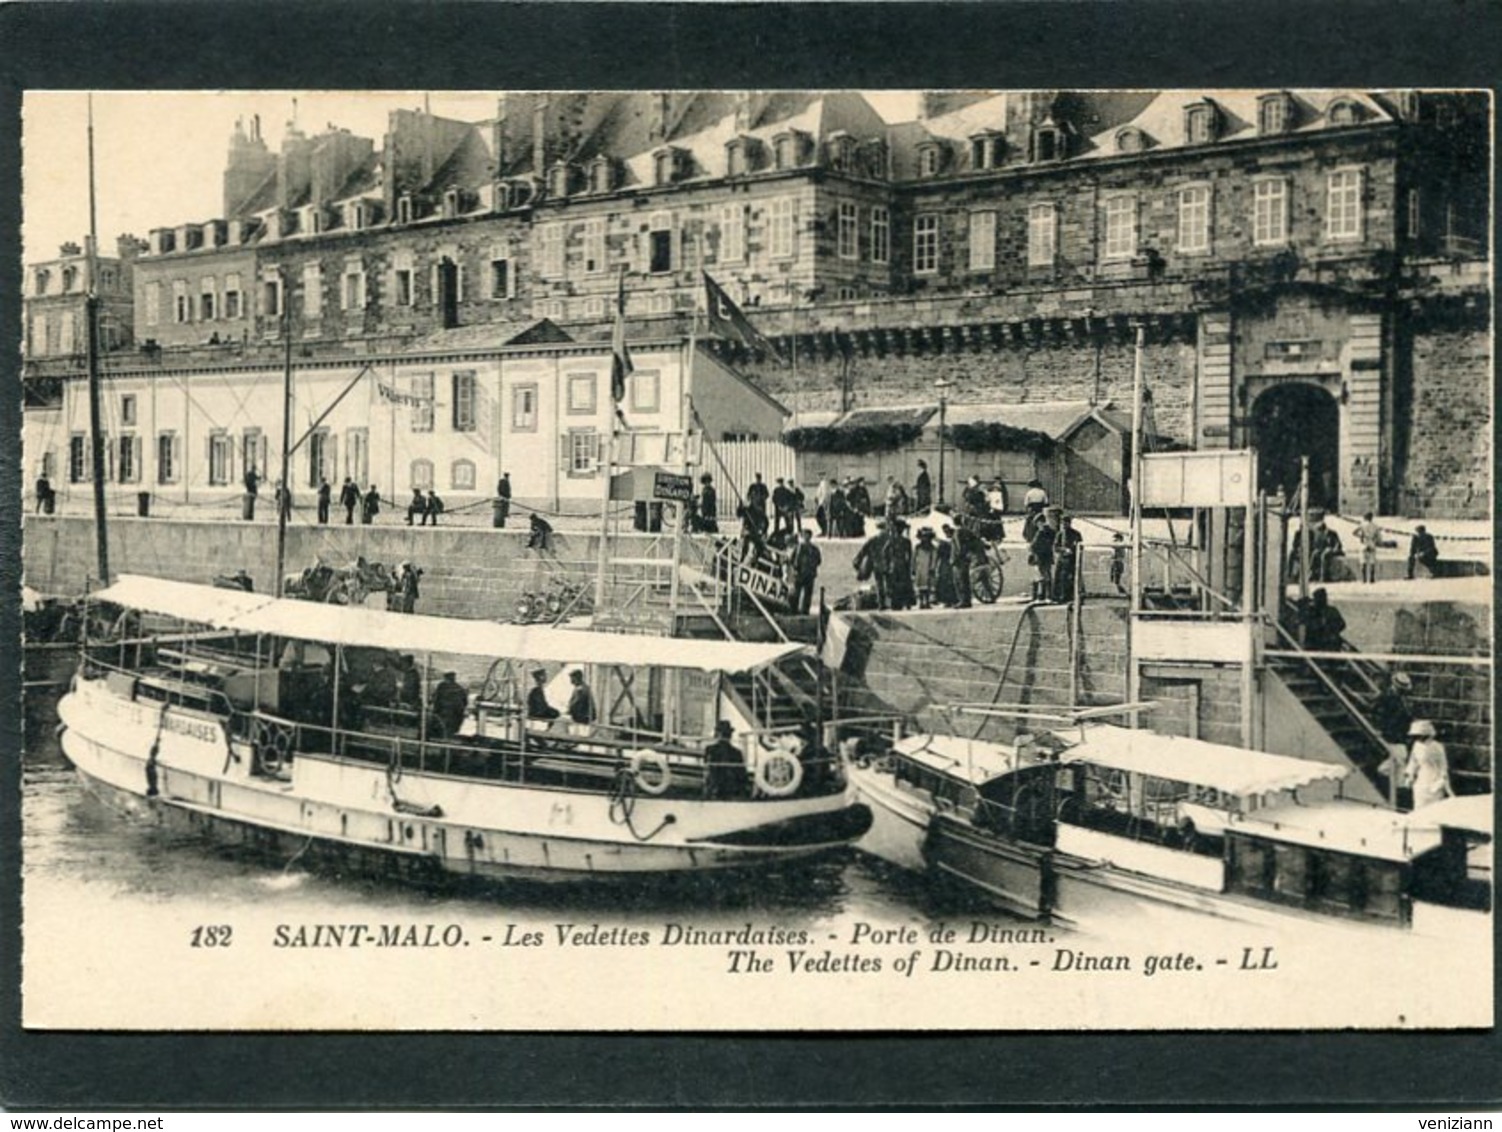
x=285, y=494
x=681, y=528
x=91, y=335
x=1134, y=678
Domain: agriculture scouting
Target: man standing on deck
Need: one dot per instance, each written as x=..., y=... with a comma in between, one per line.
x=581, y=701
x=724, y=765
x=450, y=703
x=537, y=699
x=806, y=562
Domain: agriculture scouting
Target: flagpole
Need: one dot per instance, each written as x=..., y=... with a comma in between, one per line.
x=687, y=416
x=617, y=354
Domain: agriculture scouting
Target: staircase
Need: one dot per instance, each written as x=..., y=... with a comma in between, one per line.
x=1334, y=693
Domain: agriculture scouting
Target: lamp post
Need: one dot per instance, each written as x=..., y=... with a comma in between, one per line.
x=943, y=385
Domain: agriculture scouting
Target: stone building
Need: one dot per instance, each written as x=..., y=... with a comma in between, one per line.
x=1311, y=268
x=53, y=299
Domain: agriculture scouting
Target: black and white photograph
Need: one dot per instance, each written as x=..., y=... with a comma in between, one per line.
x=757, y=560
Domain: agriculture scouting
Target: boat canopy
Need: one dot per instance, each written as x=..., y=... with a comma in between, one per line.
x=973, y=760
x=1341, y=827
x=411, y=632
x=1471, y=812
x=1231, y=770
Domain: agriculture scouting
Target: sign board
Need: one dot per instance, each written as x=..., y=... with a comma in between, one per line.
x=764, y=575
x=1221, y=478
x=672, y=487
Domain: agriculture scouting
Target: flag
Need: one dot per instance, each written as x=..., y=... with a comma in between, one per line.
x=727, y=321
x=620, y=356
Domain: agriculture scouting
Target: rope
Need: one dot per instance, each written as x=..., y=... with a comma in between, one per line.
x=623, y=802
x=1409, y=534
x=1007, y=664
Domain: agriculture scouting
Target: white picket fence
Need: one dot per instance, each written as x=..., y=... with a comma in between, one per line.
x=734, y=465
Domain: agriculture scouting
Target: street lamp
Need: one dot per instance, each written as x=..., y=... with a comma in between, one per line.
x=943, y=386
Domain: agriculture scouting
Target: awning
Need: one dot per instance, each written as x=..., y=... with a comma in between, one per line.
x=1471, y=812
x=406, y=632
x=970, y=760
x=1231, y=770
x=1341, y=827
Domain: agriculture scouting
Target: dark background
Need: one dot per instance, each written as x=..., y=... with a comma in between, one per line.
x=412, y=46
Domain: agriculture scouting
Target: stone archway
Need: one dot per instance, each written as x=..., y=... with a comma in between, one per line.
x=1294, y=419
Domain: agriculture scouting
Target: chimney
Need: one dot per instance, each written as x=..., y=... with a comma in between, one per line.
x=662, y=115
x=498, y=136
x=539, y=136
x=930, y=104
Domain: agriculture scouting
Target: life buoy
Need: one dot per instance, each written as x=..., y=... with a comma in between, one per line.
x=651, y=772
x=778, y=773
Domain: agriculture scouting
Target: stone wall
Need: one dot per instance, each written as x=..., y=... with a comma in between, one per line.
x=1446, y=431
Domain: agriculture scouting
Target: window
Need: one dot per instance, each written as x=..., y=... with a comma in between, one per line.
x=464, y=401
x=128, y=409
x=253, y=451
x=845, y=294
x=70, y=280
x=581, y=392
x=43, y=280
x=166, y=457
x=232, y=298
x=1048, y=144
x=207, y=296
x=1343, y=205
x=930, y=159
x=500, y=278
x=1273, y=114
x=732, y=233
x=1270, y=212
x=130, y=459
x=1342, y=112
x=220, y=452
x=357, y=454
x=581, y=452
x=550, y=251
x=926, y=244
x=985, y=151
x=39, y=344
x=182, y=305
x=153, y=304
x=848, y=238
x=1121, y=227
x=982, y=241
x=1194, y=219
x=1199, y=124
x=462, y=475
x=1130, y=140
x=271, y=295
x=401, y=279
x=354, y=289
x=782, y=228
x=422, y=410
x=1042, y=235
x=660, y=243
x=646, y=391
x=594, y=246
x=78, y=458
x=660, y=302
x=881, y=236
x=322, y=461
x=422, y=474
x=65, y=332
x=524, y=408
x=784, y=151
x=1412, y=214
x=594, y=308
x=312, y=290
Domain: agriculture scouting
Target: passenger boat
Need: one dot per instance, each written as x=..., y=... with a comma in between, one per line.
x=260, y=719
x=1061, y=825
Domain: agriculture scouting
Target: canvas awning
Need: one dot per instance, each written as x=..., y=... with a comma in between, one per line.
x=1341, y=827
x=406, y=632
x=1231, y=770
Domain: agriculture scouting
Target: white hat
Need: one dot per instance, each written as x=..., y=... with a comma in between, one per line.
x=1421, y=729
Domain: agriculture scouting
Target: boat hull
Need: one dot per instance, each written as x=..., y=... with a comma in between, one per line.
x=899, y=819
x=181, y=765
x=1014, y=875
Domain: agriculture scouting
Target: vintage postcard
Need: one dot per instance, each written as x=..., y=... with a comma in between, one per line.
x=735, y=560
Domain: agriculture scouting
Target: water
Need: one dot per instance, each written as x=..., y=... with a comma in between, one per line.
x=115, y=910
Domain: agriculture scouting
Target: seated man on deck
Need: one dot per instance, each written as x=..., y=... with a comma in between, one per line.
x=450, y=704
x=581, y=705
x=537, y=699
x=724, y=766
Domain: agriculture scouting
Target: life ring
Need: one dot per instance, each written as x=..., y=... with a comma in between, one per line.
x=778, y=773
x=651, y=772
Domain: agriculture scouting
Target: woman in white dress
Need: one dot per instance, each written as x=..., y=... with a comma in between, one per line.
x=1428, y=766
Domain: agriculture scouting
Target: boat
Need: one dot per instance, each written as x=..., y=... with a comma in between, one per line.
x=1063, y=825
x=255, y=719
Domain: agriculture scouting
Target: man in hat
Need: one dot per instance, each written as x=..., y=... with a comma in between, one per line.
x=500, y=510
x=450, y=703
x=370, y=505
x=923, y=490
x=433, y=507
x=805, y=563
x=782, y=508
x=925, y=567
x=859, y=498
x=1369, y=535
x=537, y=699
x=349, y=499
x=756, y=499
x=870, y=563
x=724, y=765
x=838, y=510
x=708, y=510
x=1066, y=559
x=581, y=701
x=1033, y=503
x=324, y=497
x=417, y=507
x=973, y=499
x=1423, y=554
x=1040, y=553
x=1118, y=561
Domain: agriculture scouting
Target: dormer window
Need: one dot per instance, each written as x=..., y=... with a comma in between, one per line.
x=930, y=158
x=601, y=175
x=310, y=219
x=404, y=209
x=1343, y=112
x=559, y=178
x=43, y=280
x=70, y=280
x=1274, y=113
x=669, y=164
x=1048, y=143
x=986, y=151
x=875, y=154
x=1407, y=103
x=787, y=149
x=357, y=214
x=1130, y=140
x=1201, y=123
x=451, y=203
x=842, y=152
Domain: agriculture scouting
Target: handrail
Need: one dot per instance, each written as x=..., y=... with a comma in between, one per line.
x=1352, y=710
